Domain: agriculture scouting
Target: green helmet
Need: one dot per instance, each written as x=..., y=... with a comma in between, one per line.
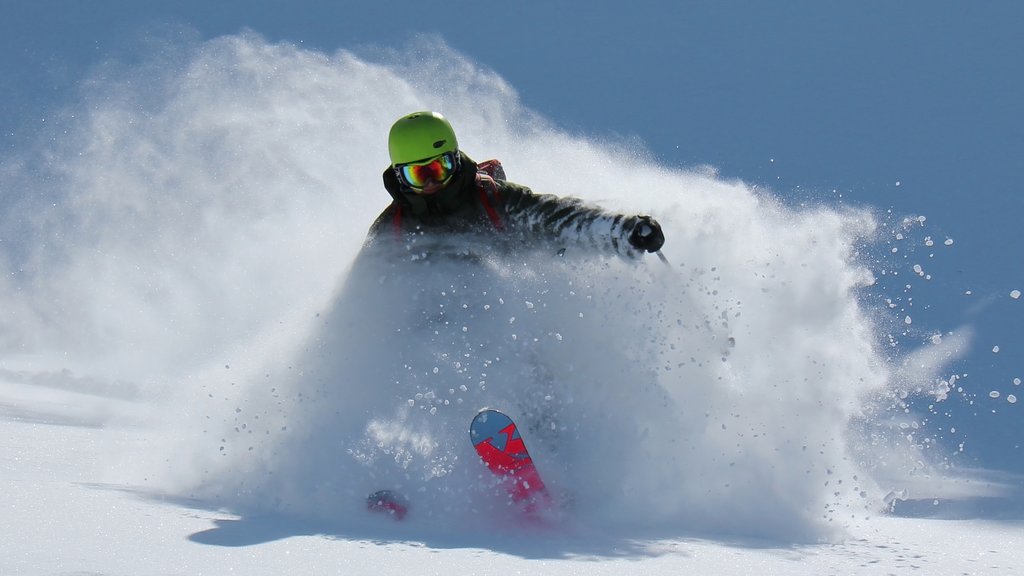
x=420, y=136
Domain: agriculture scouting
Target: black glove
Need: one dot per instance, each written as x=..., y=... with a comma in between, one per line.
x=647, y=235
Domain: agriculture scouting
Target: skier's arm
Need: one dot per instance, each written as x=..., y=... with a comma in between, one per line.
x=566, y=220
x=382, y=227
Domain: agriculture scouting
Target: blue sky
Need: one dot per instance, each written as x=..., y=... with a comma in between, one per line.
x=910, y=106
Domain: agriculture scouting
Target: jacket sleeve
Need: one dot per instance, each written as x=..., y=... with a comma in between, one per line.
x=567, y=221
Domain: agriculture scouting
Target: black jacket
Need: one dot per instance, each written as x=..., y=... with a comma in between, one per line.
x=474, y=202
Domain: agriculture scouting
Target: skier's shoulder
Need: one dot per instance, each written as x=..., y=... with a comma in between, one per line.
x=385, y=220
x=491, y=179
x=514, y=188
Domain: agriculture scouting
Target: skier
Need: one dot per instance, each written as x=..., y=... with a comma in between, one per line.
x=435, y=187
x=440, y=195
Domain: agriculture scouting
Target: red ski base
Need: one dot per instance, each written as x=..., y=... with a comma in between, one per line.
x=502, y=449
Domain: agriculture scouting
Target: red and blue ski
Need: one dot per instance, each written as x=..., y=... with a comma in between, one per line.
x=497, y=441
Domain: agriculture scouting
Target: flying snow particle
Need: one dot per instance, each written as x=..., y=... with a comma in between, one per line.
x=948, y=242
x=908, y=320
x=993, y=394
x=1011, y=398
x=1015, y=294
x=995, y=349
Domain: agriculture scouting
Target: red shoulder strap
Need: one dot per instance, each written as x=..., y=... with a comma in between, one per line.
x=483, y=184
x=396, y=221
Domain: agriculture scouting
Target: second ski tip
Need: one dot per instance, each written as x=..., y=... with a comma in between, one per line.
x=388, y=502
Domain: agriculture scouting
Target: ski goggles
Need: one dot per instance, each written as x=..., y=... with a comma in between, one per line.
x=418, y=175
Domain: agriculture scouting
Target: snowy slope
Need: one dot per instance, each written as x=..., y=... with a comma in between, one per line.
x=197, y=375
x=68, y=511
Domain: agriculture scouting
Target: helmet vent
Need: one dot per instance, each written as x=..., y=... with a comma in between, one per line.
x=439, y=143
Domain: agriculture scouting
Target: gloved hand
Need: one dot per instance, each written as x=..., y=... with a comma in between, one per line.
x=647, y=235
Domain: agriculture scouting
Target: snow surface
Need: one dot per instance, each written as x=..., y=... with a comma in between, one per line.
x=198, y=375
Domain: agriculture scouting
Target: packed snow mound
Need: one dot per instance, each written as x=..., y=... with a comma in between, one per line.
x=199, y=233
